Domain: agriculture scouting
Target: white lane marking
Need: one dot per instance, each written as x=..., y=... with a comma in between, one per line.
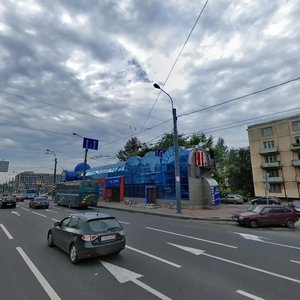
x=55, y=220
x=122, y=222
x=295, y=261
x=39, y=214
x=124, y=275
x=15, y=213
x=44, y=283
x=257, y=238
x=6, y=232
x=155, y=257
x=202, y=252
x=192, y=237
x=248, y=295
x=52, y=211
x=25, y=208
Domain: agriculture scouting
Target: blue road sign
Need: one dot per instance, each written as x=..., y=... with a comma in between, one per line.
x=90, y=144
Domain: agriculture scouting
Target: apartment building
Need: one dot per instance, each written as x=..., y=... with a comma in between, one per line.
x=275, y=157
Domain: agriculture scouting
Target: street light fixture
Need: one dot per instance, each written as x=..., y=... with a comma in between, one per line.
x=55, y=164
x=85, y=156
x=176, y=151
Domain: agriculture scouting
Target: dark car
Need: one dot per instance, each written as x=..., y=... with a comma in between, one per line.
x=266, y=200
x=295, y=205
x=233, y=198
x=8, y=201
x=39, y=202
x=266, y=215
x=87, y=234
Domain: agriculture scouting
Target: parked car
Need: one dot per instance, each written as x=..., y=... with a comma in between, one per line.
x=233, y=198
x=19, y=198
x=8, y=201
x=87, y=234
x=266, y=200
x=262, y=215
x=42, y=202
x=295, y=205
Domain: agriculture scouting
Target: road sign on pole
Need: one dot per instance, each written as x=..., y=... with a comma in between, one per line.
x=90, y=144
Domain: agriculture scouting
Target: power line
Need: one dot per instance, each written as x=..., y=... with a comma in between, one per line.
x=241, y=97
x=176, y=60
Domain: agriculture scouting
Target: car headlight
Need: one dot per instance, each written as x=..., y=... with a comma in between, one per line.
x=121, y=232
x=241, y=218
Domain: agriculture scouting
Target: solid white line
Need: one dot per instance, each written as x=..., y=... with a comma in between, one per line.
x=6, y=232
x=253, y=268
x=39, y=214
x=248, y=295
x=44, y=283
x=282, y=245
x=295, y=261
x=151, y=290
x=25, y=208
x=122, y=222
x=52, y=211
x=155, y=257
x=55, y=220
x=68, y=210
x=192, y=237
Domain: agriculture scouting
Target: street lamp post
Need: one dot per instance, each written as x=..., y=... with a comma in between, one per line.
x=176, y=152
x=55, y=164
x=85, y=157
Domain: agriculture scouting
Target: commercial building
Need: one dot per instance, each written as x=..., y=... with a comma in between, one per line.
x=31, y=180
x=275, y=157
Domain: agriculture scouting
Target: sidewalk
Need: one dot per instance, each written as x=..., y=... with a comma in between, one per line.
x=219, y=213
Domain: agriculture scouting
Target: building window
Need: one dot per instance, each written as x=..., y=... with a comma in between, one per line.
x=297, y=139
x=268, y=144
x=267, y=131
x=275, y=188
x=270, y=158
x=296, y=125
x=273, y=173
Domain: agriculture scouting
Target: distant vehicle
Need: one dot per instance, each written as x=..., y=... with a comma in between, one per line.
x=29, y=194
x=19, y=198
x=85, y=235
x=8, y=201
x=39, y=202
x=295, y=205
x=80, y=194
x=266, y=200
x=233, y=198
x=266, y=215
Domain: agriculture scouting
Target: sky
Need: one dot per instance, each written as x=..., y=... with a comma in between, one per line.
x=88, y=67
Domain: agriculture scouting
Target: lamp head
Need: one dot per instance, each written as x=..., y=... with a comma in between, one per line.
x=156, y=86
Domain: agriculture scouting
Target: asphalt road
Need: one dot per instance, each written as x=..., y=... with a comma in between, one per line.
x=164, y=258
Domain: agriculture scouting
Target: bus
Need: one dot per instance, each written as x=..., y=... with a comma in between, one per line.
x=80, y=193
x=29, y=193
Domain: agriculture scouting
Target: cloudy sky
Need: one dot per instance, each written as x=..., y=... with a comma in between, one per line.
x=89, y=66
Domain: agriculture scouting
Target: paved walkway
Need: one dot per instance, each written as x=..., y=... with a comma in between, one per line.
x=219, y=213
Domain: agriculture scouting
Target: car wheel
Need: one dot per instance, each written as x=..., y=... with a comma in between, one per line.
x=254, y=203
x=50, y=240
x=253, y=224
x=290, y=224
x=73, y=254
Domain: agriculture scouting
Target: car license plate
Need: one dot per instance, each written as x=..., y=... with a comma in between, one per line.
x=108, y=237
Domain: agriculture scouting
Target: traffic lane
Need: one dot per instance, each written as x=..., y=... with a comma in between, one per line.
x=71, y=281
x=17, y=281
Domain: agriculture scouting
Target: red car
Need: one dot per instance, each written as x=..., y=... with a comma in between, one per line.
x=267, y=215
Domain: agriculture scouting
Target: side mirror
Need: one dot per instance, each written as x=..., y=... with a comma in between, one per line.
x=57, y=224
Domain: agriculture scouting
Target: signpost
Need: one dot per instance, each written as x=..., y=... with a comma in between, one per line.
x=88, y=144
x=267, y=186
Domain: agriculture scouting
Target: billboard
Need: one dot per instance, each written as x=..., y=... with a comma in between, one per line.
x=4, y=165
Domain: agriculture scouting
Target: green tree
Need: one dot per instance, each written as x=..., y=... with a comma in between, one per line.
x=199, y=138
x=167, y=141
x=132, y=147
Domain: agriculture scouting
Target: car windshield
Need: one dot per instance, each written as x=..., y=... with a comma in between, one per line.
x=255, y=208
x=296, y=203
x=103, y=225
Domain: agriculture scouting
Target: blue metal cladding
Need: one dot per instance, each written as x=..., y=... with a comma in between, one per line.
x=151, y=170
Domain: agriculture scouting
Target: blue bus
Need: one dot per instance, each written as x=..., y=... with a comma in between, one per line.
x=79, y=193
x=29, y=194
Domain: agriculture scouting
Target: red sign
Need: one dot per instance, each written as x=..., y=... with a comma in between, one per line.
x=200, y=158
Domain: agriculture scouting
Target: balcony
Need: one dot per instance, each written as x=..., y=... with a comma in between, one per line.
x=268, y=150
x=296, y=163
x=273, y=164
x=278, y=179
x=295, y=147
